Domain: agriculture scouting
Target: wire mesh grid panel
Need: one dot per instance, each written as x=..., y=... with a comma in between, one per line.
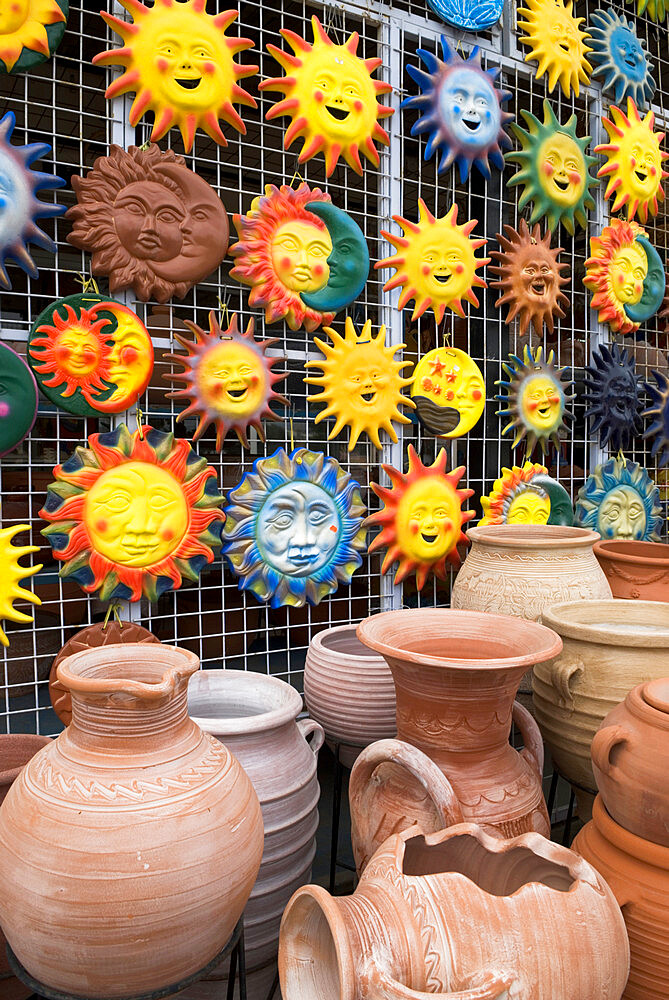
x=62, y=102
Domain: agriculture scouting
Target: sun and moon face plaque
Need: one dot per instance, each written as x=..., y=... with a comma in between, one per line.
x=527, y=495
x=449, y=392
x=18, y=399
x=30, y=32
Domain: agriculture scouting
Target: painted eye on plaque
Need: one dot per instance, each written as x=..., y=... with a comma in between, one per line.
x=318, y=250
x=636, y=511
x=222, y=373
x=282, y=522
x=441, y=513
x=452, y=258
x=318, y=514
x=134, y=207
x=167, y=215
x=116, y=502
x=351, y=91
x=245, y=371
x=160, y=499
x=639, y=273
x=288, y=242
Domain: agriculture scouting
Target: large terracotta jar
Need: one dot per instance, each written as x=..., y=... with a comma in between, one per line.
x=15, y=752
x=638, y=873
x=256, y=718
x=523, y=569
x=459, y=915
x=349, y=689
x=609, y=647
x=130, y=844
x=635, y=570
x=456, y=674
x=630, y=760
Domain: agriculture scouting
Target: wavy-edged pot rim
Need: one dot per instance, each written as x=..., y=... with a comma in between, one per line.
x=532, y=536
x=246, y=724
x=368, y=632
x=179, y=663
x=573, y=628
x=626, y=842
x=610, y=549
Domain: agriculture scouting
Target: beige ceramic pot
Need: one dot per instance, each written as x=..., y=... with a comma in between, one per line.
x=459, y=915
x=256, y=718
x=456, y=674
x=608, y=648
x=523, y=569
x=638, y=873
x=130, y=844
x=15, y=752
x=349, y=689
x=630, y=760
x=635, y=570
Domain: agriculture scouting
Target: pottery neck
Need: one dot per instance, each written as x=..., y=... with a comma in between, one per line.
x=447, y=711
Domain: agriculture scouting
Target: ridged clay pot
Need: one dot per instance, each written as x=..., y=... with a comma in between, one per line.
x=630, y=760
x=523, y=569
x=134, y=836
x=609, y=647
x=256, y=718
x=459, y=915
x=349, y=689
x=456, y=674
x=638, y=873
x=635, y=570
x=15, y=752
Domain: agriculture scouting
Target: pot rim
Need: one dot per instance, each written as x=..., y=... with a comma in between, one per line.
x=36, y=741
x=609, y=550
x=615, y=834
x=574, y=629
x=317, y=642
x=246, y=724
x=331, y=910
x=533, y=536
x=179, y=663
x=497, y=624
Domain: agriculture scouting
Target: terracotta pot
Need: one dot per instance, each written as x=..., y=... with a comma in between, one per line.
x=459, y=915
x=255, y=716
x=609, y=648
x=630, y=760
x=638, y=873
x=456, y=674
x=635, y=570
x=15, y=752
x=349, y=690
x=523, y=569
x=135, y=836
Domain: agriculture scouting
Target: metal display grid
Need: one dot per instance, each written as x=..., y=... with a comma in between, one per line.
x=62, y=102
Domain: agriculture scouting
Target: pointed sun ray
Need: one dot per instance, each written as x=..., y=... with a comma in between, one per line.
x=11, y=575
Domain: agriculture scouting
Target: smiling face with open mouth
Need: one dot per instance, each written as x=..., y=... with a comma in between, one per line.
x=634, y=169
x=428, y=520
x=232, y=380
x=562, y=170
x=470, y=109
x=542, y=402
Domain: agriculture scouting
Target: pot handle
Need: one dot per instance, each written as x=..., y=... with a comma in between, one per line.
x=309, y=726
x=603, y=743
x=533, y=750
x=563, y=669
x=378, y=985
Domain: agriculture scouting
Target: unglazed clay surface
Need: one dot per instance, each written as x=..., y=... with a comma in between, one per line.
x=635, y=569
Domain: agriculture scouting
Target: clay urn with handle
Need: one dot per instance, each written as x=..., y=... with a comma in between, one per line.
x=459, y=915
x=456, y=674
x=630, y=760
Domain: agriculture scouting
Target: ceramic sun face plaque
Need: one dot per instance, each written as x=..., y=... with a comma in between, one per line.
x=556, y=42
x=658, y=415
x=227, y=379
x=435, y=262
x=634, y=162
x=461, y=111
x=294, y=528
x=421, y=519
x=18, y=399
x=30, y=32
x=12, y=573
x=620, y=58
x=530, y=277
x=304, y=258
x=613, y=397
x=90, y=355
x=626, y=276
x=470, y=15
x=654, y=9
x=527, y=495
x=331, y=97
x=133, y=515
x=361, y=383
x=554, y=170
x=150, y=223
x=619, y=500
x=448, y=389
x=20, y=207
x=179, y=62
x=534, y=399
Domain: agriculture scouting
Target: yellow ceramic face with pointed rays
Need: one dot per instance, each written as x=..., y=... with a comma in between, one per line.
x=361, y=383
x=541, y=403
x=561, y=170
x=331, y=97
x=556, y=42
x=23, y=25
x=11, y=575
x=428, y=520
x=435, y=262
x=231, y=380
x=634, y=162
x=181, y=66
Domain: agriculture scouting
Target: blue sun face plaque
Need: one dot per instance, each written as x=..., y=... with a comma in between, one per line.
x=620, y=500
x=293, y=529
x=620, y=59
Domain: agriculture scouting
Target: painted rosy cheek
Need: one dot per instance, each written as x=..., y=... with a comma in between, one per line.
x=286, y=264
x=426, y=269
x=209, y=68
x=414, y=526
x=358, y=105
x=161, y=65
x=574, y=177
x=254, y=381
x=333, y=527
x=318, y=270
x=632, y=162
x=548, y=169
x=476, y=394
x=101, y=525
x=4, y=409
x=318, y=96
x=167, y=535
x=459, y=269
x=130, y=355
x=653, y=172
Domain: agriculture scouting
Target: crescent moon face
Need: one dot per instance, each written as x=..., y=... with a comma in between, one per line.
x=562, y=511
x=130, y=360
x=348, y=262
x=653, y=286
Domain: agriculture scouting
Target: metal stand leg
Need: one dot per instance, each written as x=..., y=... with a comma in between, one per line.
x=551, y=795
x=232, y=974
x=336, y=810
x=274, y=987
x=566, y=836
